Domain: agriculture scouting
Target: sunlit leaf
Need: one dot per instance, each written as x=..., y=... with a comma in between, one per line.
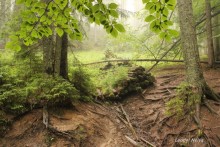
x=112, y=6
x=59, y=31
x=149, y=18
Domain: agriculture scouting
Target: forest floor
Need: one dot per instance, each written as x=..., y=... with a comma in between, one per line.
x=139, y=120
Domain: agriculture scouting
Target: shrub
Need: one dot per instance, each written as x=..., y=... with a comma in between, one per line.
x=83, y=83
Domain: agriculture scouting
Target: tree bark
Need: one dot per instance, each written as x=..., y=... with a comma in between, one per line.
x=58, y=49
x=211, y=58
x=64, y=59
x=194, y=75
x=2, y=21
x=48, y=55
x=216, y=39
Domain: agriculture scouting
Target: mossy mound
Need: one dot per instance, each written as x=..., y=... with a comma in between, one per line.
x=137, y=79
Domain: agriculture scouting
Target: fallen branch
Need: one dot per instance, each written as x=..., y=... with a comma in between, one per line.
x=147, y=142
x=215, y=127
x=129, y=123
x=136, y=60
x=132, y=141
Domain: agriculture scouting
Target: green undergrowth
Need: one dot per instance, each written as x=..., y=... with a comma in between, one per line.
x=24, y=86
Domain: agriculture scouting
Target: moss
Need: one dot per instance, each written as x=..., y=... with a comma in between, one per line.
x=185, y=101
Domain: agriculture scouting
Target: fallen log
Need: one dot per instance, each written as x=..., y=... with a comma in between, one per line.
x=137, y=60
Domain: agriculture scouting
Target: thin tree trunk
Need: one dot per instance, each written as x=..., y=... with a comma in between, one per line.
x=2, y=20
x=48, y=55
x=216, y=39
x=210, y=47
x=58, y=49
x=64, y=60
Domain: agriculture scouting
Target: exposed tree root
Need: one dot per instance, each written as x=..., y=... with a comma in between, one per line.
x=210, y=94
x=210, y=108
x=61, y=133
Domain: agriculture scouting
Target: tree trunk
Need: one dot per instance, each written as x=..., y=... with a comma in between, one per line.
x=210, y=47
x=48, y=55
x=64, y=60
x=2, y=21
x=216, y=39
x=194, y=75
x=61, y=51
x=58, y=49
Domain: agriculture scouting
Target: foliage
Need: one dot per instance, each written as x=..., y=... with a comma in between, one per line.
x=108, y=80
x=159, y=17
x=184, y=102
x=53, y=90
x=22, y=87
x=40, y=17
x=19, y=96
x=83, y=83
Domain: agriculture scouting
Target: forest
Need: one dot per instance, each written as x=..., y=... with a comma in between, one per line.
x=110, y=73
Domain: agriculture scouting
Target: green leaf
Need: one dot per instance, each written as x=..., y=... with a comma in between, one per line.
x=72, y=36
x=165, y=12
x=145, y=1
x=18, y=2
x=95, y=8
x=170, y=7
x=59, y=31
x=112, y=6
x=173, y=32
x=168, y=22
x=114, y=13
x=34, y=34
x=162, y=35
x=172, y=2
x=119, y=27
x=108, y=28
x=114, y=32
x=149, y=5
x=43, y=18
x=17, y=48
x=168, y=38
x=150, y=18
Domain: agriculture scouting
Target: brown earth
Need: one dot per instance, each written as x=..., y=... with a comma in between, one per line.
x=139, y=120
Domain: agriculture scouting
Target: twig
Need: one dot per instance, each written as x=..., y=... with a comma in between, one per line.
x=147, y=142
x=124, y=121
x=169, y=91
x=132, y=141
x=129, y=123
x=216, y=127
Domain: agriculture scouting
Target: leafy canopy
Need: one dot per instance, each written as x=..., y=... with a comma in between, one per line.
x=159, y=17
x=39, y=18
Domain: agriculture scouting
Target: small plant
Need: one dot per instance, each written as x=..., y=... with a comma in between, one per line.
x=83, y=83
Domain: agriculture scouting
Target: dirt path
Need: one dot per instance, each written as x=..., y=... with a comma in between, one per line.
x=139, y=116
